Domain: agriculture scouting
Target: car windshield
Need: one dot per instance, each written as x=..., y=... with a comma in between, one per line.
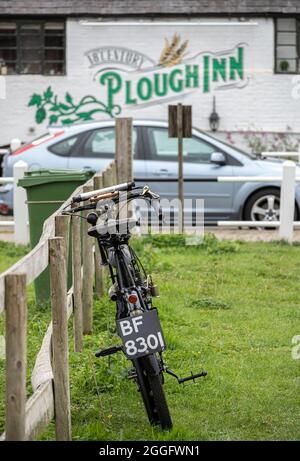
x=240, y=151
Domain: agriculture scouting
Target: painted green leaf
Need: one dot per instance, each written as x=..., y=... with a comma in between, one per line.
x=64, y=107
x=48, y=93
x=69, y=98
x=35, y=100
x=53, y=119
x=69, y=108
x=67, y=121
x=40, y=115
x=85, y=115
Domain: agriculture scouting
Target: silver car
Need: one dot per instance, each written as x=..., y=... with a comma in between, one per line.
x=92, y=146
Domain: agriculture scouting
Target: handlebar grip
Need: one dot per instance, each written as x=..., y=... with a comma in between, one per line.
x=119, y=187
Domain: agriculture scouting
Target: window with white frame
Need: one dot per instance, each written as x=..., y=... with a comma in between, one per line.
x=287, y=41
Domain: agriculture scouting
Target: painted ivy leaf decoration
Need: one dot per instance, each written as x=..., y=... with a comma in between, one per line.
x=40, y=115
x=68, y=112
x=35, y=100
x=48, y=93
x=63, y=106
x=67, y=121
x=69, y=98
x=53, y=119
x=85, y=115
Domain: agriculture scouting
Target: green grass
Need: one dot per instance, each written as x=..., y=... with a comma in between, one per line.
x=228, y=307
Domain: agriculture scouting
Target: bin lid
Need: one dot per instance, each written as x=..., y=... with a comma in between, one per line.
x=38, y=177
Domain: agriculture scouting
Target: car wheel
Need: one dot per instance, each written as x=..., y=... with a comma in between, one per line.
x=264, y=205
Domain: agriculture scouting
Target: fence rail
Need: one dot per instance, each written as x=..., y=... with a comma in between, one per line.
x=25, y=420
x=6, y=180
x=281, y=154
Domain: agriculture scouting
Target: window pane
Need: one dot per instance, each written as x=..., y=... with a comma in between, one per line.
x=288, y=24
x=11, y=68
x=8, y=41
x=32, y=29
x=286, y=52
x=163, y=145
x=30, y=68
x=54, y=27
x=8, y=52
x=30, y=54
x=286, y=38
x=64, y=147
x=30, y=41
x=102, y=143
x=54, y=40
x=53, y=68
x=286, y=65
x=54, y=55
x=8, y=55
x=7, y=28
x=194, y=149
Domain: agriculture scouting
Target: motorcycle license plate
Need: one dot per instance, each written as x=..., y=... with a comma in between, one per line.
x=141, y=335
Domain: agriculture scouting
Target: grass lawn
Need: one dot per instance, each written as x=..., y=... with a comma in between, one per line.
x=230, y=308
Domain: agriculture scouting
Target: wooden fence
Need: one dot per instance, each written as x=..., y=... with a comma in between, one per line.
x=26, y=419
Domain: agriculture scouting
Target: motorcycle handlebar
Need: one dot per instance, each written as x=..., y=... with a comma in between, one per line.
x=86, y=195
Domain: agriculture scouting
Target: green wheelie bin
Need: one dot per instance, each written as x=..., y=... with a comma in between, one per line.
x=46, y=191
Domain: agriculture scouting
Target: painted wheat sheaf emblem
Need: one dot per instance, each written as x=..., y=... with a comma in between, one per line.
x=173, y=51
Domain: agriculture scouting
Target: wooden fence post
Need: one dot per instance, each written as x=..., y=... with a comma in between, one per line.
x=99, y=289
x=58, y=283
x=62, y=229
x=88, y=275
x=114, y=173
x=107, y=177
x=77, y=283
x=124, y=149
x=16, y=326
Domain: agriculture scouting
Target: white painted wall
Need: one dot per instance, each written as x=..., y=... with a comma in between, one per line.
x=266, y=103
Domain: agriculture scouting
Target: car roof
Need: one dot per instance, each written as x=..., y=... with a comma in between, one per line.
x=82, y=126
x=96, y=123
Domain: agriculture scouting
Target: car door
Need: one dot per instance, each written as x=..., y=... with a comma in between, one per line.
x=162, y=172
x=97, y=149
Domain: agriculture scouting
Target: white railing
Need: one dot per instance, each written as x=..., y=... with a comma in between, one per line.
x=288, y=182
x=282, y=154
x=20, y=221
x=6, y=180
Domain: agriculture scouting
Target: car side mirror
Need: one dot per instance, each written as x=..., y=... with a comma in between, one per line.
x=218, y=158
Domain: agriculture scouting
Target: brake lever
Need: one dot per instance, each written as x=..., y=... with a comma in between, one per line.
x=74, y=210
x=148, y=193
x=157, y=208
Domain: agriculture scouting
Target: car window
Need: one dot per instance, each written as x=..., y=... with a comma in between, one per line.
x=102, y=143
x=165, y=148
x=64, y=147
